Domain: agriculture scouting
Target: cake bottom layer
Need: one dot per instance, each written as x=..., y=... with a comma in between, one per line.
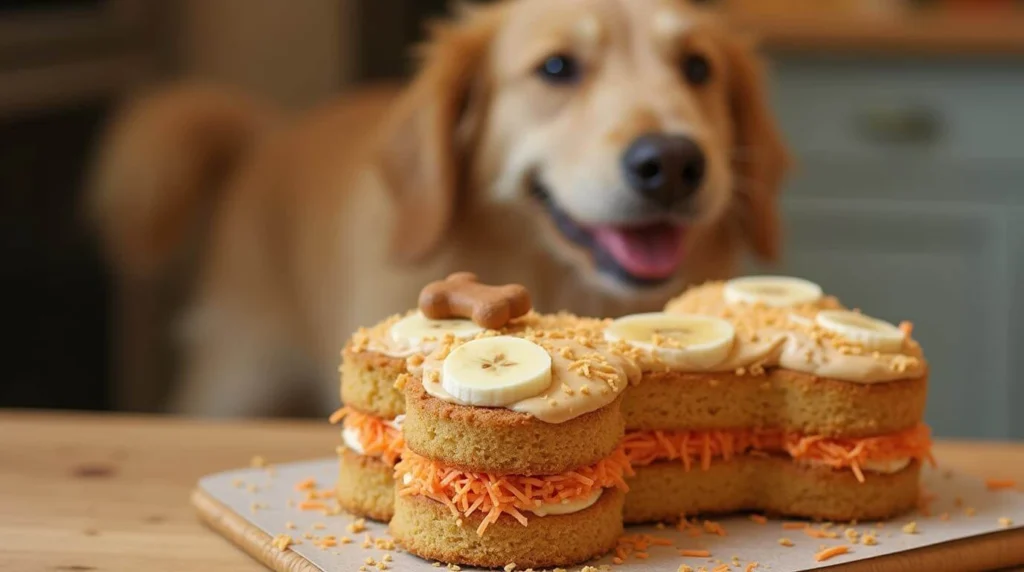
x=429, y=530
x=663, y=491
x=365, y=485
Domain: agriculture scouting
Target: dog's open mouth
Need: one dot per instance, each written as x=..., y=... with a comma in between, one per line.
x=647, y=254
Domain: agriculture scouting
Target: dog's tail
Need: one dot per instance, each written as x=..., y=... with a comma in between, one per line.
x=158, y=165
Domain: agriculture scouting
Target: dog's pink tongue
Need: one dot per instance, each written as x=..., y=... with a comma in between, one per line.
x=651, y=252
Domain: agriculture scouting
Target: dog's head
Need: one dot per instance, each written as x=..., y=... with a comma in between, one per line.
x=636, y=130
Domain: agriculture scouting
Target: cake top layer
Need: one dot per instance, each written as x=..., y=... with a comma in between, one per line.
x=412, y=333
x=814, y=334
x=553, y=372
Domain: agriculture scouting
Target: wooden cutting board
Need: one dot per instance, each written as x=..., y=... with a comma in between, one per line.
x=996, y=550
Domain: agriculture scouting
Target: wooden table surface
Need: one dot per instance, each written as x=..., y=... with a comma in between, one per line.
x=88, y=492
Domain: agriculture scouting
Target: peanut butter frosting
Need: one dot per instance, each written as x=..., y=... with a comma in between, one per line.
x=587, y=372
x=769, y=337
x=378, y=339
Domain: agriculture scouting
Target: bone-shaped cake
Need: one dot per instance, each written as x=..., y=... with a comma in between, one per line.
x=759, y=393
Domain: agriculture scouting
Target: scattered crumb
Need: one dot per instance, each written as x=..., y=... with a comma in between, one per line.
x=307, y=535
x=319, y=526
x=682, y=568
x=258, y=462
x=306, y=484
x=369, y=560
x=282, y=542
x=818, y=533
x=357, y=526
x=969, y=511
x=510, y=567
x=910, y=528
x=759, y=519
x=660, y=526
x=851, y=535
x=785, y=542
x=290, y=525
x=1005, y=522
x=869, y=540
x=712, y=527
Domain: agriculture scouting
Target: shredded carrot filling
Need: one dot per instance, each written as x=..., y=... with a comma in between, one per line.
x=467, y=492
x=376, y=436
x=701, y=447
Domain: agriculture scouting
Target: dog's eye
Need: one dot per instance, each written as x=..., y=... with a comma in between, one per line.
x=696, y=69
x=559, y=69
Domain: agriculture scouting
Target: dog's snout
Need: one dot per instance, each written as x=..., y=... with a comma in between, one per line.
x=666, y=169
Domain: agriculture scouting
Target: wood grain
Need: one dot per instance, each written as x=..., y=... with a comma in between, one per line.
x=921, y=34
x=88, y=492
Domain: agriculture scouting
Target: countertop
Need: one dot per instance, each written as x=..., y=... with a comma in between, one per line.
x=82, y=492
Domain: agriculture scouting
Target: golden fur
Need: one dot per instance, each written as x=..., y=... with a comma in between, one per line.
x=311, y=226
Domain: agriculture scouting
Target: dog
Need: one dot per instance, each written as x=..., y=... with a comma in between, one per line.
x=603, y=153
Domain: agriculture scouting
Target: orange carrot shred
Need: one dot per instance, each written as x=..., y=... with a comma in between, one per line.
x=465, y=493
x=831, y=552
x=695, y=553
x=1000, y=484
x=646, y=447
x=376, y=436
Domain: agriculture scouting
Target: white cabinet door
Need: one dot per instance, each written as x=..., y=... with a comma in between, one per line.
x=1015, y=370
x=942, y=266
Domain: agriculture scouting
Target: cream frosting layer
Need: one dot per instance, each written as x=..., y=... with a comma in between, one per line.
x=568, y=506
x=790, y=338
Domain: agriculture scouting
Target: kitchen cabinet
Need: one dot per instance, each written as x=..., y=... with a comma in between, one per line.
x=907, y=202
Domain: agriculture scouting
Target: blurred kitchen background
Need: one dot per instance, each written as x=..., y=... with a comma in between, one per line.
x=907, y=119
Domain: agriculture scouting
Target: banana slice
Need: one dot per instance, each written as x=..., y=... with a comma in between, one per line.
x=773, y=291
x=415, y=328
x=683, y=339
x=496, y=371
x=872, y=333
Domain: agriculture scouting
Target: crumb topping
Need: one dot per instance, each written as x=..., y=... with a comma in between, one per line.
x=805, y=345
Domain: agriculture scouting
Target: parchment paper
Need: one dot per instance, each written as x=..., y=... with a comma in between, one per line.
x=962, y=507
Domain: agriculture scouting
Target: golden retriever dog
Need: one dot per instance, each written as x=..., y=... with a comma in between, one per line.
x=604, y=153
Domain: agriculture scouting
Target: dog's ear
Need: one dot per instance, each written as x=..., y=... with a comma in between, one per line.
x=421, y=150
x=760, y=158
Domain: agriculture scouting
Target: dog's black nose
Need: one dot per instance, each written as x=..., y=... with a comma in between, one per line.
x=666, y=169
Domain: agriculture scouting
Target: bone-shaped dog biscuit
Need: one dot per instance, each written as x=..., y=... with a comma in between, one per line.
x=460, y=295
